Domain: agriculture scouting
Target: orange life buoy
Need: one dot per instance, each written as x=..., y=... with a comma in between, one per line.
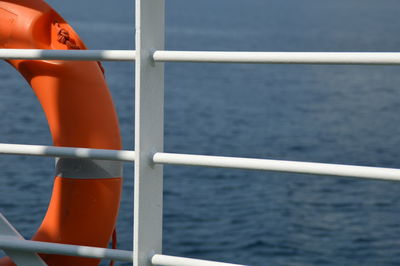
x=79, y=109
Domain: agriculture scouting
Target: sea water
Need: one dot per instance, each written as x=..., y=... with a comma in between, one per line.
x=330, y=114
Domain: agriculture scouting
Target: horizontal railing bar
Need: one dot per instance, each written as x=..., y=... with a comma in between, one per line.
x=64, y=249
x=279, y=165
x=164, y=260
x=359, y=58
x=87, y=55
x=368, y=58
x=69, y=152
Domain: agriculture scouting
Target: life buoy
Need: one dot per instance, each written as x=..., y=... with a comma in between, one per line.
x=80, y=113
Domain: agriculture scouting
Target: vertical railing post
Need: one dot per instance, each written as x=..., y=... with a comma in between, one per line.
x=149, y=131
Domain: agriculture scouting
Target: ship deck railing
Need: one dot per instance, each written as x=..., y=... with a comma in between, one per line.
x=148, y=155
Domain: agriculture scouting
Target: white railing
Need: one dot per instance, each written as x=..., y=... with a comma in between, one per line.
x=208, y=161
x=8, y=243
x=148, y=155
x=279, y=165
x=327, y=58
x=96, y=55
x=82, y=153
x=278, y=57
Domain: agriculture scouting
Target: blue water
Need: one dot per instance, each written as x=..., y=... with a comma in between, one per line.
x=337, y=114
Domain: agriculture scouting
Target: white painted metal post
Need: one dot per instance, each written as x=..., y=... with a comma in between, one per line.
x=149, y=131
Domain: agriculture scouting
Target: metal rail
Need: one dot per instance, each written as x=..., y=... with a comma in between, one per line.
x=299, y=167
x=279, y=166
x=79, y=55
x=165, y=260
x=68, y=152
x=11, y=243
x=8, y=232
x=63, y=249
x=341, y=58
